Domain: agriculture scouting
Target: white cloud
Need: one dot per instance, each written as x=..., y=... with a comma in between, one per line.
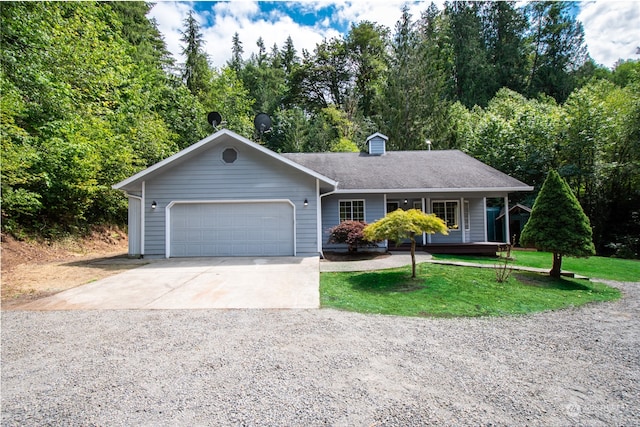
x=385, y=13
x=612, y=30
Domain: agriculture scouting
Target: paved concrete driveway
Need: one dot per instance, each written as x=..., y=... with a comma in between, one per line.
x=192, y=283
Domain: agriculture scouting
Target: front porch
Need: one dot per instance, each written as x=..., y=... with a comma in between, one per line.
x=475, y=248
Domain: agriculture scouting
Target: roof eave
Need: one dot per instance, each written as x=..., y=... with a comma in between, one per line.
x=436, y=190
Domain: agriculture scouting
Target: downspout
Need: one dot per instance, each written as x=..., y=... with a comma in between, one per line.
x=319, y=212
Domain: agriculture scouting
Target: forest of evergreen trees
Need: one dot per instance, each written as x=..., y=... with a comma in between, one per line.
x=90, y=95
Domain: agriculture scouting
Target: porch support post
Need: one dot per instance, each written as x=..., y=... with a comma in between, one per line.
x=484, y=211
x=463, y=225
x=428, y=210
x=386, y=242
x=424, y=235
x=507, y=239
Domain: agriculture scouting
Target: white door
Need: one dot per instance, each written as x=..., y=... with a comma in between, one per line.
x=232, y=229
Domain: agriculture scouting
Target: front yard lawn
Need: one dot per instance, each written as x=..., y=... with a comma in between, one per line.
x=449, y=291
x=622, y=270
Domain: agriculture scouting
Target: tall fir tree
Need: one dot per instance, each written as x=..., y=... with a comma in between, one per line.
x=399, y=119
x=367, y=49
x=237, y=50
x=558, y=224
x=473, y=80
x=196, y=73
x=504, y=33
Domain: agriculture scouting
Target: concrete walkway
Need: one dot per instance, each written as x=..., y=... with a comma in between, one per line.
x=514, y=267
x=394, y=260
x=198, y=283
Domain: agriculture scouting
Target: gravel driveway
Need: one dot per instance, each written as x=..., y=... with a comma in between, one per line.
x=322, y=367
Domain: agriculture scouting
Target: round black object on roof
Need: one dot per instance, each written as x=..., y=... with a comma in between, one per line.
x=214, y=118
x=262, y=122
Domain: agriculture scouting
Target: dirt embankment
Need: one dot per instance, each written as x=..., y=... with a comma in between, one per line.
x=33, y=269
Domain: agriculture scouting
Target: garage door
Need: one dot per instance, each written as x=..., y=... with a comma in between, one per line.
x=232, y=229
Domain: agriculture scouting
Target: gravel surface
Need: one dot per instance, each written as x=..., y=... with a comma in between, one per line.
x=322, y=367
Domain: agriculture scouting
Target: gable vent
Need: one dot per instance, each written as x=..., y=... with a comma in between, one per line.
x=377, y=144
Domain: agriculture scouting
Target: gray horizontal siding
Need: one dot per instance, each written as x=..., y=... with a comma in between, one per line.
x=253, y=176
x=374, y=209
x=476, y=211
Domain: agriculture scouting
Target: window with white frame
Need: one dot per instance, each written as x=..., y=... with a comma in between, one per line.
x=448, y=211
x=351, y=210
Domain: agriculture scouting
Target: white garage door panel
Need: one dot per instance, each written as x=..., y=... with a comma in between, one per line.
x=232, y=229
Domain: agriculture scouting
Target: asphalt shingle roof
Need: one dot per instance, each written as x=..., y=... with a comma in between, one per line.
x=397, y=170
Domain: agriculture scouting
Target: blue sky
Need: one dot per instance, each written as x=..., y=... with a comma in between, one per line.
x=612, y=28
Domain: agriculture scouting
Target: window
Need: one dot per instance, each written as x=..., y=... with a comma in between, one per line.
x=447, y=210
x=229, y=155
x=351, y=210
x=417, y=204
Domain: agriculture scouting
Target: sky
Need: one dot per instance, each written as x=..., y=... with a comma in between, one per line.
x=612, y=27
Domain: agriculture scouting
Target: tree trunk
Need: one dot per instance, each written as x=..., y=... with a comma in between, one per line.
x=413, y=256
x=556, y=270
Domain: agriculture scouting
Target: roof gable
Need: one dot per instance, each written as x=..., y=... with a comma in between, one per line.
x=378, y=135
x=219, y=137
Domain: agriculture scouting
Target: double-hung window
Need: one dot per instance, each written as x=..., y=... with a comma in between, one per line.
x=448, y=211
x=351, y=210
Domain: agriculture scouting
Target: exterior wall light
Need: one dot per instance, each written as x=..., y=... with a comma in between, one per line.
x=154, y=205
x=306, y=202
x=406, y=201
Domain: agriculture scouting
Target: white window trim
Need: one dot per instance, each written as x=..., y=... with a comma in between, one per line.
x=364, y=209
x=457, y=202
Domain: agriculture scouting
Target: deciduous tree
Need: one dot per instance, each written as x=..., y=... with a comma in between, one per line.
x=400, y=224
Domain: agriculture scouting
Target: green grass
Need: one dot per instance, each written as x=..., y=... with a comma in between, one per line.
x=623, y=270
x=449, y=291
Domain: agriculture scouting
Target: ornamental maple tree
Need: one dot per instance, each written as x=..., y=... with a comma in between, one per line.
x=401, y=224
